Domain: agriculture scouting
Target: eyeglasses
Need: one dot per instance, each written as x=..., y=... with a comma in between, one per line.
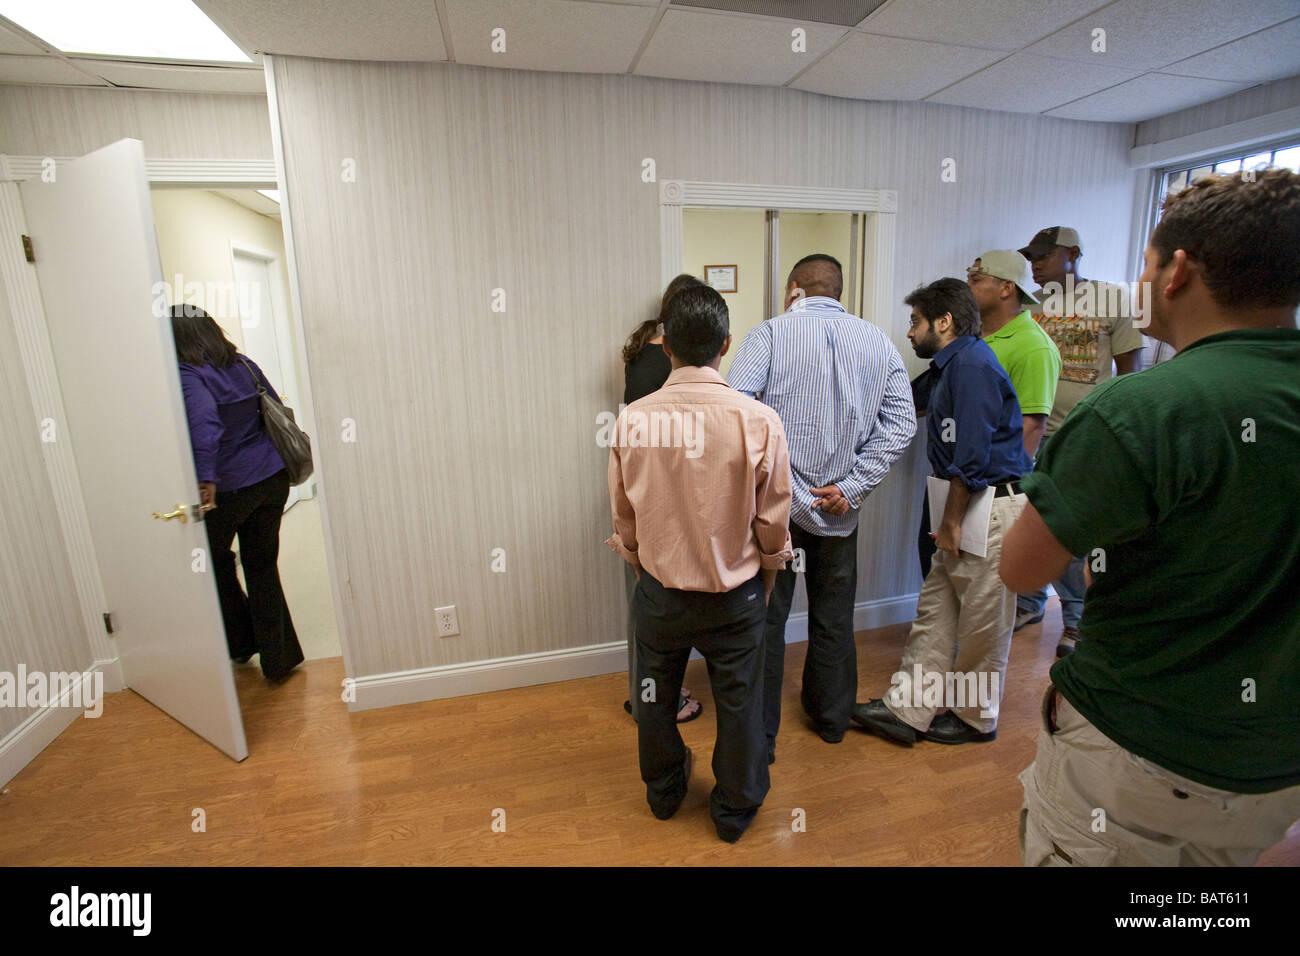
x=973, y=274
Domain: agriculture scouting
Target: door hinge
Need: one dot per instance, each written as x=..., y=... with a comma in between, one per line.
x=108, y=622
x=27, y=249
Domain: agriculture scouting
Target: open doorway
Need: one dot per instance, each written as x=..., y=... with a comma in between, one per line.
x=746, y=254
x=223, y=250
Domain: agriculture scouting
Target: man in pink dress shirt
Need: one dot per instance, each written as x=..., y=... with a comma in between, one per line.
x=699, y=484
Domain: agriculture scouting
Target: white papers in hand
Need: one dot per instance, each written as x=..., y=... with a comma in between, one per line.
x=975, y=526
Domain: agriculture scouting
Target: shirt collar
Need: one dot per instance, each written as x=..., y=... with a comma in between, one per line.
x=695, y=375
x=816, y=302
x=946, y=354
x=1011, y=327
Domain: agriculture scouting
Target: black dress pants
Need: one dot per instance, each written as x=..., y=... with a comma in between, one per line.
x=830, y=667
x=258, y=623
x=727, y=629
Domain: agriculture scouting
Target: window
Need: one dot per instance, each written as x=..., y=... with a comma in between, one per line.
x=1172, y=180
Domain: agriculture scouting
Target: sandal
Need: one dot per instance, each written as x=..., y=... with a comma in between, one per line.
x=683, y=701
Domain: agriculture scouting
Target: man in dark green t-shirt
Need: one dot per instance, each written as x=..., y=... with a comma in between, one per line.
x=1172, y=735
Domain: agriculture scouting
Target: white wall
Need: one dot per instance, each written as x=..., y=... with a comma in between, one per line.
x=1256, y=101
x=475, y=429
x=195, y=228
x=60, y=121
x=719, y=237
x=40, y=619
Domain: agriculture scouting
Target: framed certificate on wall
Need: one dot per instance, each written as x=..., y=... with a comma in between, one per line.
x=722, y=278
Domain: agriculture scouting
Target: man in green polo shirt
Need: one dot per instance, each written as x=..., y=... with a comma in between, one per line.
x=1000, y=280
x=1172, y=735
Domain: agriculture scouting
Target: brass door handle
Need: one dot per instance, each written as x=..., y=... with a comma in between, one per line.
x=181, y=512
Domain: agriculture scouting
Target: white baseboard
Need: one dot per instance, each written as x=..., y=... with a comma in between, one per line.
x=504, y=673
x=21, y=745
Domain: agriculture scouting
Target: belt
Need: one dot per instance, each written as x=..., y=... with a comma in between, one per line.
x=1007, y=489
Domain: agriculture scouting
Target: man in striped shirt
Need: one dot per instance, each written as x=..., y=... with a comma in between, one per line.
x=842, y=392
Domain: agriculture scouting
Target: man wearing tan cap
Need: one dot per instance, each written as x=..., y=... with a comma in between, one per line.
x=1000, y=280
x=1091, y=323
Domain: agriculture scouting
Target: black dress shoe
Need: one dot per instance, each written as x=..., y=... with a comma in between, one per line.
x=877, y=718
x=666, y=812
x=729, y=834
x=948, y=728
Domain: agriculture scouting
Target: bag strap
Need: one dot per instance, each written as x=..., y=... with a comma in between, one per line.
x=256, y=382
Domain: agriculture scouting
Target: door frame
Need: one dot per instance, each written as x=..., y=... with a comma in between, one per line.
x=283, y=338
x=878, y=209
x=37, y=355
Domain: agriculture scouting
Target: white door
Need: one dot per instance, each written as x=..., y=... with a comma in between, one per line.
x=98, y=268
x=266, y=334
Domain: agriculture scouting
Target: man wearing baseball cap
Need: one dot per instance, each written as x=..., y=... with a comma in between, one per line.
x=1091, y=323
x=1000, y=280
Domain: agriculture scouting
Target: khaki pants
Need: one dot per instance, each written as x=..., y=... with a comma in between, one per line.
x=1090, y=802
x=964, y=619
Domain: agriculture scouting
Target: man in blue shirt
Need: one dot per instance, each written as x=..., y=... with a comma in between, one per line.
x=842, y=393
x=956, y=654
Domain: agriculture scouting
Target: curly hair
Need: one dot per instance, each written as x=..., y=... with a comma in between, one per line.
x=1244, y=231
x=647, y=330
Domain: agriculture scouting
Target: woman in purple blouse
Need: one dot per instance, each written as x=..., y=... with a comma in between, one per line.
x=239, y=471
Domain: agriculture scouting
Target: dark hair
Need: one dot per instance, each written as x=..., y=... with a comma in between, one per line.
x=644, y=332
x=948, y=295
x=816, y=279
x=697, y=324
x=199, y=340
x=1244, y=233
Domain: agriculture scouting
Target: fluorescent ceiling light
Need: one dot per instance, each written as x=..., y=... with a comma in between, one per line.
x=271, y=194
x=147, y=29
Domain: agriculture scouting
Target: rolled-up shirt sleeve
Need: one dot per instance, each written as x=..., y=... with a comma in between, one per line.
x=623, y=541
x=206, y=427
x=772, y=501
x=975, y=413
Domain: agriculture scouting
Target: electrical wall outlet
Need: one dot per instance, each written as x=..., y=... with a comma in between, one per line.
x=448, y=626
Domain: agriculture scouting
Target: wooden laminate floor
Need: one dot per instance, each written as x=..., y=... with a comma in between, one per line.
x=418, y=784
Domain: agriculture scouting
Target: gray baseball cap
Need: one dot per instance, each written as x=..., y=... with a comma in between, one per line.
x=1010, y=265
x=1045, y=240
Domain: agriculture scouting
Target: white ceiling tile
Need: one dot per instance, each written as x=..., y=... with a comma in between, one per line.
x=1030, y=84
x=998, y=24
x=251, y=199
x=156, y=76
x=332, y=29
x=11, y=42
x=693, y=45
x=43, y=69
x=570, y=35
x=1145, y=34
x=1268, y=55
x=1154, y=94
x=886, y=68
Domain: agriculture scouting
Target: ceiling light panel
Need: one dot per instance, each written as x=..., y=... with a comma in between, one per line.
x=845, y=13
x=144, y=29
